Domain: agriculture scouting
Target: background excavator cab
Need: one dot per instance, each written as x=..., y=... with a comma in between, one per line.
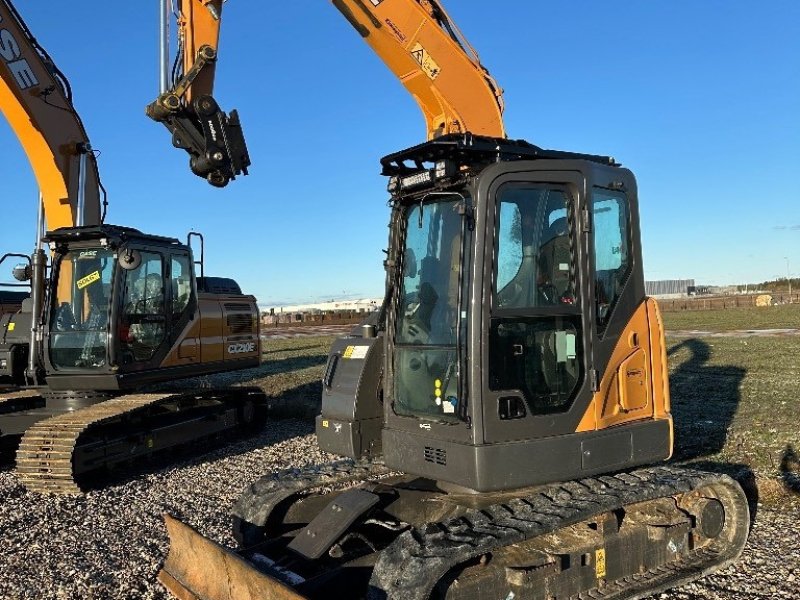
x=123, y=308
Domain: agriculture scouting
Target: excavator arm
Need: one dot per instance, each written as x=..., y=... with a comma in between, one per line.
x=433, y=60
x=213, y=139
x=36, y=99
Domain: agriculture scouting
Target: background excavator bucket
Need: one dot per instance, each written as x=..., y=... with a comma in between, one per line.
x=199, y=569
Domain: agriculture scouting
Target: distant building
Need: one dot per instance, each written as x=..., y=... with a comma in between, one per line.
x=362, y=305
x=318, y=311
x=669, y=288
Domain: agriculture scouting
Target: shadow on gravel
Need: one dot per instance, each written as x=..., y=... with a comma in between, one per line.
x=790, y=470
x=301, y=402
x=705, y=399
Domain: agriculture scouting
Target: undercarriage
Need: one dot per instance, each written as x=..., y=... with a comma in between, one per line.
x=360, y=531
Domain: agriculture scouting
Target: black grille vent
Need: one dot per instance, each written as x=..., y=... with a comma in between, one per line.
x=437, y=456
x=240, y=323
x=238, y=307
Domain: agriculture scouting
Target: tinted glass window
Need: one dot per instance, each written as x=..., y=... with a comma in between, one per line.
x=79, y=325
x=534, y=265
x=610, y=224
x=143, y=309
x=181, y=282
x=425, y=356
x=540, y=356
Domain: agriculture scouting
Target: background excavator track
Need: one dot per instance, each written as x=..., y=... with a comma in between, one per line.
x=56, y=454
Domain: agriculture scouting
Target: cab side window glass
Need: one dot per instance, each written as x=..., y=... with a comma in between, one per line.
x=534, y=336
x=181, y=282
x=535, y=267
x=610, y=224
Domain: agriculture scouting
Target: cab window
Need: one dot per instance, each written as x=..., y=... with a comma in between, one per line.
x=612, y=264
x=143, y=308
x=181, y=284
x=535, y=329
x=534, y=249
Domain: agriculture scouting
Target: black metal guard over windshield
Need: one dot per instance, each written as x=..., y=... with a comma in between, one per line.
x=427, y=334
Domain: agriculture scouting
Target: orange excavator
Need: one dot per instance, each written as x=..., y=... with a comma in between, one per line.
x=506, y=411
x=112, y=309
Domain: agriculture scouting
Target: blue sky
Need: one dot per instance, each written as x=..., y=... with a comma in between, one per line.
x=701, y=99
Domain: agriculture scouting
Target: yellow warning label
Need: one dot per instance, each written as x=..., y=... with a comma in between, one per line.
x=425, y=61
x=600, y=563
x=325, y=424
x=88, y=280
x=348, y=352
x=11, y=326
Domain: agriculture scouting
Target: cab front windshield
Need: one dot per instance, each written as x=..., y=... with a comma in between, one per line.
x=80, y=308
x=426, y=338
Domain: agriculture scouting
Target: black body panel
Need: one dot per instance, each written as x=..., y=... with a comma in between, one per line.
x=489, y=468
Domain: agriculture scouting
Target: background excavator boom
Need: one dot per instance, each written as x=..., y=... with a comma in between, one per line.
x=36, y=99
x=433, y=60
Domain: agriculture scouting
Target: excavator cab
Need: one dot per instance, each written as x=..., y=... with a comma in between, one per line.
x=123, y=309
x=514, y=279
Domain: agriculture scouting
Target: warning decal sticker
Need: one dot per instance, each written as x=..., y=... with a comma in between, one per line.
x=357, y=352
x=88, y=280
x=600, y=563
x=425, y=61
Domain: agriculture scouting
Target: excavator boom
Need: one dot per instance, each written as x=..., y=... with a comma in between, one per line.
x=36, y=99
x=426, y=51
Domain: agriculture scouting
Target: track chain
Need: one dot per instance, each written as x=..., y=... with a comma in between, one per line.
x=411, y=566
x=256, y=503
x=17, y=400
x=44, y=458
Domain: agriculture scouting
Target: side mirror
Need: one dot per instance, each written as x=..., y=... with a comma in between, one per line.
x=129, y=259
x=22, y=272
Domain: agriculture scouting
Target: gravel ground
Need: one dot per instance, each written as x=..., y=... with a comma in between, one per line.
x=109, y=543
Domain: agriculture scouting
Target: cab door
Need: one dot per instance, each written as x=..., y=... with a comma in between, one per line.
x=536, y=341
x=143, y=313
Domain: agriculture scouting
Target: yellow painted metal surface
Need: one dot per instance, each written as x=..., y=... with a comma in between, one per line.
x=443, y=75
x=635, y=384
x=47, y=126
x=198, y=25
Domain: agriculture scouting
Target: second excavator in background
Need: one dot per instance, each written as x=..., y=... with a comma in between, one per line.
x=499, y=408
x=112, y=309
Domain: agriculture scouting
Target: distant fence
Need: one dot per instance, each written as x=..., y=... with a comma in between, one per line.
x=342, y=317
x=721, y=302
